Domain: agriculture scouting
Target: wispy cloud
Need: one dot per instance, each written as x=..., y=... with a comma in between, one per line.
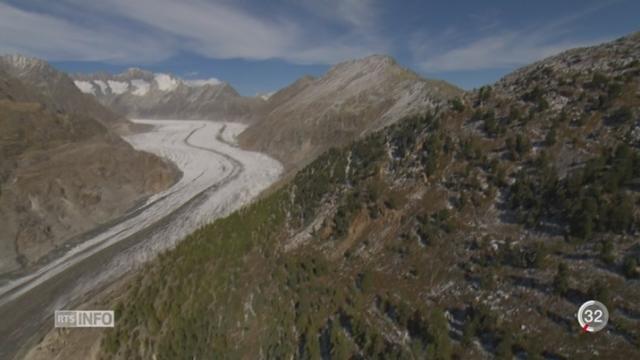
x=215, y=29
x=297, y=31
x=360, y=14
x=504, y=50
x=456, y=50
x=211, y=29
x=55, y=38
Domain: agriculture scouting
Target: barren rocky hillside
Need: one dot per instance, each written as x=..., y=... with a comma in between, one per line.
x=353, y=98
x=56, y=90
x=62, y=172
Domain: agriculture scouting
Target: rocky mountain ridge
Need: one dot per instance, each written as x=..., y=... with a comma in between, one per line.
x=57, y=91
x=138, y=93
x=352, y=99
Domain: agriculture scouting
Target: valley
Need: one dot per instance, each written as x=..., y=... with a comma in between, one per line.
x=217, y=178
x=319, y=180
x=473, y=231
x=366, y=213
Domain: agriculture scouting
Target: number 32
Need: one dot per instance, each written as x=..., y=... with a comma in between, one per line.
x=589, y=316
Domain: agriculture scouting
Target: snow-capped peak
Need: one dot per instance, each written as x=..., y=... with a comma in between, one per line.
x=166, y=82
x=118, y=87
x=140, y=87
x=85, y=86
x=23, y=62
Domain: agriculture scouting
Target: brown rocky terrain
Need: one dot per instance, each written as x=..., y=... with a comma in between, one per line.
x=57, y=91
x=353, y=98
x=63, y=171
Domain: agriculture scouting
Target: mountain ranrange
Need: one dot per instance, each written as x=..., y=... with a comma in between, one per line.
x=64, y=169
x=138, y=93
x=294, y=124
x=57, y=91
x=417, y=220
x=474, y=229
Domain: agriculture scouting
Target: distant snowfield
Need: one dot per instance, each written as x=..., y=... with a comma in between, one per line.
x=218, y=178
x=85, y=86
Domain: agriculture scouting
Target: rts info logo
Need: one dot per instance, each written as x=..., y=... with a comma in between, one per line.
x=89, y=318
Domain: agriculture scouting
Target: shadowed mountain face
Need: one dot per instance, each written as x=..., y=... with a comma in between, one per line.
x=353, y=98
x=138, y=93
x=63, y=171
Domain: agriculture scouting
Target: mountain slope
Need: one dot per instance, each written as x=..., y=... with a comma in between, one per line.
x=61, y=173
x=473, y=232
x=351, y=99
x=56, y=89
x=138, y=93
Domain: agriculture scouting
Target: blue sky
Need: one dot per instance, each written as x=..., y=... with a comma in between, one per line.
x=261, y=46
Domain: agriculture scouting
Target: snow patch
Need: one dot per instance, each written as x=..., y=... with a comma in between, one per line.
x=103, y=85
x=141, y=87
x=22, y=62
x=166, y=82
x=202, y=82
x=85, y=86
x=118, y=87
x=265, y=96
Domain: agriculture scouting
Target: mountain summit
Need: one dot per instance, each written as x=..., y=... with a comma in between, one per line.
x=56, y=90
x=353, y=98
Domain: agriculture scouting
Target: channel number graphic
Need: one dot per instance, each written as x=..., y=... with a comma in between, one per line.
x=593, y=316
